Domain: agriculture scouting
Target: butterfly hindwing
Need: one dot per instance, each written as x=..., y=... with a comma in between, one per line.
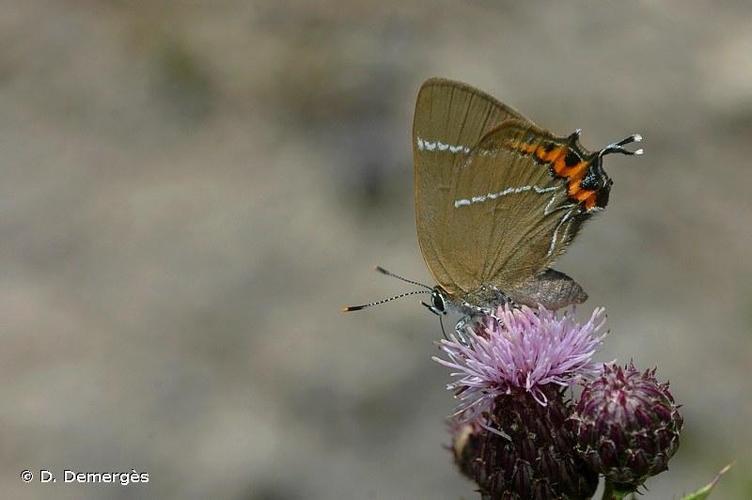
x=532, y=218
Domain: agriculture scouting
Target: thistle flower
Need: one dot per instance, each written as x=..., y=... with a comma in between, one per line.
x=509, y=432
x=535, y=460
x=519, y=350
x=627, y=425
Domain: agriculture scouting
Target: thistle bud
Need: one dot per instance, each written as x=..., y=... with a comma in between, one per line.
x=627, y=426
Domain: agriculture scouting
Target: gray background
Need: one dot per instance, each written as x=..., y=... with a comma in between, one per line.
x=191, y=190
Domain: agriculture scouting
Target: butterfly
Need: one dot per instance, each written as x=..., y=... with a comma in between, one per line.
x=497, y=200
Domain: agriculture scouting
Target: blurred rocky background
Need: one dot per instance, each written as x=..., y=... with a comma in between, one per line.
x=191, y=190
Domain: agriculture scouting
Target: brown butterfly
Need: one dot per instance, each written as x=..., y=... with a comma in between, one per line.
x=497, y=200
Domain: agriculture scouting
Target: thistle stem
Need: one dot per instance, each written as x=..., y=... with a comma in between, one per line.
x=611, y=493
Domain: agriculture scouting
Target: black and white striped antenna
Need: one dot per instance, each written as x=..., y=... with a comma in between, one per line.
x=382, y=301
x=380, y=269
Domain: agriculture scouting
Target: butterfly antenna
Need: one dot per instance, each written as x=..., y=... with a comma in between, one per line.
x=389, y=273
x=382, y=301
x=618, y=147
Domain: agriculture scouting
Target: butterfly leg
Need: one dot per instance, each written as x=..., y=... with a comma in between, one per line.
x=472, y=323
x=461, y=330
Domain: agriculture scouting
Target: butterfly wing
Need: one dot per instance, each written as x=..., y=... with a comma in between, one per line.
x=450, y=119
x=523, y=213
x=497, y=214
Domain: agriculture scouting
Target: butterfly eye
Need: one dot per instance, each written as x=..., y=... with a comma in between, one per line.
x=438, y=301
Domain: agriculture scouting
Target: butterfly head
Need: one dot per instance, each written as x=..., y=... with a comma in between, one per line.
x=439, y=303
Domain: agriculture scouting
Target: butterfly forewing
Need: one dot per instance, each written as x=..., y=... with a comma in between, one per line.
x=450, y=119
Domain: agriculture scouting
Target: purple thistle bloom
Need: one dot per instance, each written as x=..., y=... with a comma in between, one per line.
x=519, y=350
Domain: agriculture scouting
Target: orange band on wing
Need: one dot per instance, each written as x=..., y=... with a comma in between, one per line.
x=576, y=171
x=556, y=157
x=591, y=200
